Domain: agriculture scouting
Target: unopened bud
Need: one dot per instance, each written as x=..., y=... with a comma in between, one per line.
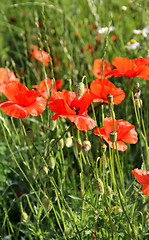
x=124, y=8
x=52, y=125
x=137, y=85
x=86, y=145
x=45, y=169
x=110, y=98
x=113, y=136
x=99, y=186
x=68, y=142
x=103, y=148
x=46, y=203
x=61, y=143
x=52, y=162
x=79, y=90
x=24, y=216
x=79, y=145
x=109, y=191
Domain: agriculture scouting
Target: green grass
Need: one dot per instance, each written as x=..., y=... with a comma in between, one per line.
x=87, y=195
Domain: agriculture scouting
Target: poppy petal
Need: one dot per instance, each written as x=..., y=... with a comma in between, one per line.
x=14, y=110
x=141, y=175
x=145, y=189
x=83, y=122
x=37, y=107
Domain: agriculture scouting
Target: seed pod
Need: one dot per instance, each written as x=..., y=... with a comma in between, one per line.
x=79, y=90
x=86, y=145
x=113, y=136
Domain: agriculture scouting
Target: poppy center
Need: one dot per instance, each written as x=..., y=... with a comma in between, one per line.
x=76, y=110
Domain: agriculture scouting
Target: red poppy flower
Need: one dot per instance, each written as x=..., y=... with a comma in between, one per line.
x=125, y=133
x=21, y=101
x=6, y=77
x=100, y=88
x=130, y=68
x=42, y=88
x=40, y=56
x=66, y=105
x=143, y=178
x=97, y=67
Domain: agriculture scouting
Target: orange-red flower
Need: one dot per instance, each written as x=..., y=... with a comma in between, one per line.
x=125, y=133
x=21, y=101
x=66, y=104
x=41, y=56
x=97, y=67
x=42, y=88
x=143, y=178
x=129, y=68
x=6, y=77
x=100, y=88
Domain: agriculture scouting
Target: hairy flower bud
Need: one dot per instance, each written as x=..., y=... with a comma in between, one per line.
x=52, y=125
x=61, y=143
x=52, y=162
x=79, y=90
x=45, y=169
x=86, y=145
x=24, y=217
x=99, y=186
x=68, y=142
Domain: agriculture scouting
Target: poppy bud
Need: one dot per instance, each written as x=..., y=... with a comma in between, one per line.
x=99, y=186
x=137, y=85
x=86, y=145
x=45, y=169
x=52, y=125
x=110, y=98
x=79, y=90
x=52, y=162
x=103, y=148
x=68, y=142
x=79, y=145
x=46, y=203
x=61, y=143
x=24, y=216
x=109, y=191
x=113, y=136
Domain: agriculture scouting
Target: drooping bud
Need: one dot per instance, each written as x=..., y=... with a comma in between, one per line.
x=110, y=98
x=52, y=125
x=52, y=162
x=86, y=145
x=46, y=203
x=45, y=169
x=137, y=85
x=24, y=217
x=79, y=145
x=99, y=186
x=61, y=143
x=68, y=142
x=79, y=90
x=103, y=147
x=113, y=136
